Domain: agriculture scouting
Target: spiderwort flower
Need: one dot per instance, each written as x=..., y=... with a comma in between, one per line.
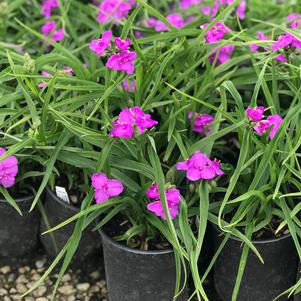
x=8, y=170
x=47, y=7
x=199, y=167
x=216, y=33
x=173, y=198
x=184, y=4
x=105, y=188
x=42, y=85
x=128, y=120
x=201, y=122
x=296, y=18
x=255, y=114
x=48, y=27
x=130, y=87
x=122, y=44
x=272, y=124
x=114, y=10
x=260, y=36
x=58, y=35
x=99, y=46
x=123, y=61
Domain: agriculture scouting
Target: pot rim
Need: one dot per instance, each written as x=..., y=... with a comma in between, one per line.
x=61, y=202
x=106, y=237
x=19, y=200
x=254, y=242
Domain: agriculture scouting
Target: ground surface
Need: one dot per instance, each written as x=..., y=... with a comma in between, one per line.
x=85, y=282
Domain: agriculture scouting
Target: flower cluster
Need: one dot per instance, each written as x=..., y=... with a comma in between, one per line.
x=214, y=35
x=8, y=170
x=173, y=198
x=129, y=120
x=212, y=11
x=200, y=167
x=114, y=10
x=201, y=122
x=48, y=30
x=47, y=7
x=105, y=188
x=122, y=59
x=175, y=19
x=271, y=124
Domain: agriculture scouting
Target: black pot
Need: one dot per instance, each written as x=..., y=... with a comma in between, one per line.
x=58, y=211
x=261, y=282
x=134, y=275
x=297, y=297
x=18, y=234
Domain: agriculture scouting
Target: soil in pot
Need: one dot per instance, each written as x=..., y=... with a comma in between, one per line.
x=136, y=275
x=18, y=234
x=58, y=211
x=261, y=282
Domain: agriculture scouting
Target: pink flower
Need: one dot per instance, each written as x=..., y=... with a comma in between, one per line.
x=128, y=120
x=173, y=198
x=42, y=85
x=200, y=167
x=68, y=70
x=281, y=58
x=100, y=45
x=174, y=19
x=241, y=10
x=114, y=10
x=105, y=188
x=122, y=61
x=122, y=44
x=201, y=122
x=272, y=123
x=184, y=4
x=260, y=36
x=130, y=87
x=296, y=18
x=8, y=170
x=222, y=55
x=58, y=35
x=48, y=27
x=216, y=33
x=47, y=7
x=255, y=114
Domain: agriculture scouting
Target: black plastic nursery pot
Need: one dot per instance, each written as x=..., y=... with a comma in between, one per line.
x=261, y=282
x=18, y=234
x=134, y=275
x=58, y=211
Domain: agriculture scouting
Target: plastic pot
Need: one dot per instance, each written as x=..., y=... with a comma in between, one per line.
x=58, y=211
x=261, y=282
x=18, y=234
x=134, y=275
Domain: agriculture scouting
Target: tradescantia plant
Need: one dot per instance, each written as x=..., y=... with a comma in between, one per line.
x=150, y=105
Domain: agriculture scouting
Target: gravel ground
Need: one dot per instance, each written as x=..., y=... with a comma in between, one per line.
x=85, y=284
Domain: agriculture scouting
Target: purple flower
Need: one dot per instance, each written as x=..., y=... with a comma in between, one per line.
x=128, y=120
x=8, y=170
x=255, y=114
x=175, y=19
x=47, y=7
x=200, y=167
x=68, y=70
x=42, y=85
x=122, y=44
x=184, y=4
x=100, y=45
x=130, y=87
x=201, y=122
x=216, y=33
x=58, y=35
x=272, y=123
x=296, y=18
x=241, y=10
x=173, y=198
x=105, y=188
x=281, y=58
x=48, y=27
x=123, y=61
x=114, y=10
x=260, y=36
